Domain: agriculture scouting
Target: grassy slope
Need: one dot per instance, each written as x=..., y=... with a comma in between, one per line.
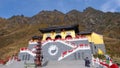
x=112, y=46
x=12, y=42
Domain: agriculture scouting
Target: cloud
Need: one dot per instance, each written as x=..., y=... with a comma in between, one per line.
x=110, y=5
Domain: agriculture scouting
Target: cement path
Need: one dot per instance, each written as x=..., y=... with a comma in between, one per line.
x=65, y=64
x=52, y=64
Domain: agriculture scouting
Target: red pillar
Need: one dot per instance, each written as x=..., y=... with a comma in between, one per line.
x=38, y=55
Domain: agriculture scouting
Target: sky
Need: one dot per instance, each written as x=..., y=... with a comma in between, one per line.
x=9, y=8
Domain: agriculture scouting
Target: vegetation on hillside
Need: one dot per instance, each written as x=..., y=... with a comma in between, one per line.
x=16, y=31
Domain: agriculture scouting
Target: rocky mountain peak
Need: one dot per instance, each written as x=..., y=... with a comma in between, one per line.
x=73, y=12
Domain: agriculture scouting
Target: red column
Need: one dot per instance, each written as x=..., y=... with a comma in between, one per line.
x=38, y=55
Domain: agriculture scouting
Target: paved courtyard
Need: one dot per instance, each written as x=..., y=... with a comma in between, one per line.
x=65, y=64
x=52, y=64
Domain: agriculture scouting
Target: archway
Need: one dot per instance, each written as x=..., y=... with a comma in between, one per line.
x=68, y=37
x=48, y=38
x=58, y=37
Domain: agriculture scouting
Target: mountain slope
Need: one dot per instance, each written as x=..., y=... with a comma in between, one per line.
x=17, y=30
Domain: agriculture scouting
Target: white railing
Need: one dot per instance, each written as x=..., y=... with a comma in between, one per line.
x=27, y=51
x=102, y=63
x=67, y=39
x=75, y=49
x=66, y=43
x=76, y=39
x=45, y=42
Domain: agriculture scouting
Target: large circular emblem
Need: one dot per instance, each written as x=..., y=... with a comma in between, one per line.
x=53, y=50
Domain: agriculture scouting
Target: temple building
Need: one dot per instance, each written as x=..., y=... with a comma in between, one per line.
x=64, y=43
x=68, y=43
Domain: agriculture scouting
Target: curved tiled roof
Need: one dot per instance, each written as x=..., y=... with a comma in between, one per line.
x=59, y=28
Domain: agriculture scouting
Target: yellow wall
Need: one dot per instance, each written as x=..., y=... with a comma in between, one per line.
x=44, y=36
x=89, y=37
x=96, y=38
x=93, y=37
x=62, y=33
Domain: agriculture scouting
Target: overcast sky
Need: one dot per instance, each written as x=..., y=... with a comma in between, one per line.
x=29, y=8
